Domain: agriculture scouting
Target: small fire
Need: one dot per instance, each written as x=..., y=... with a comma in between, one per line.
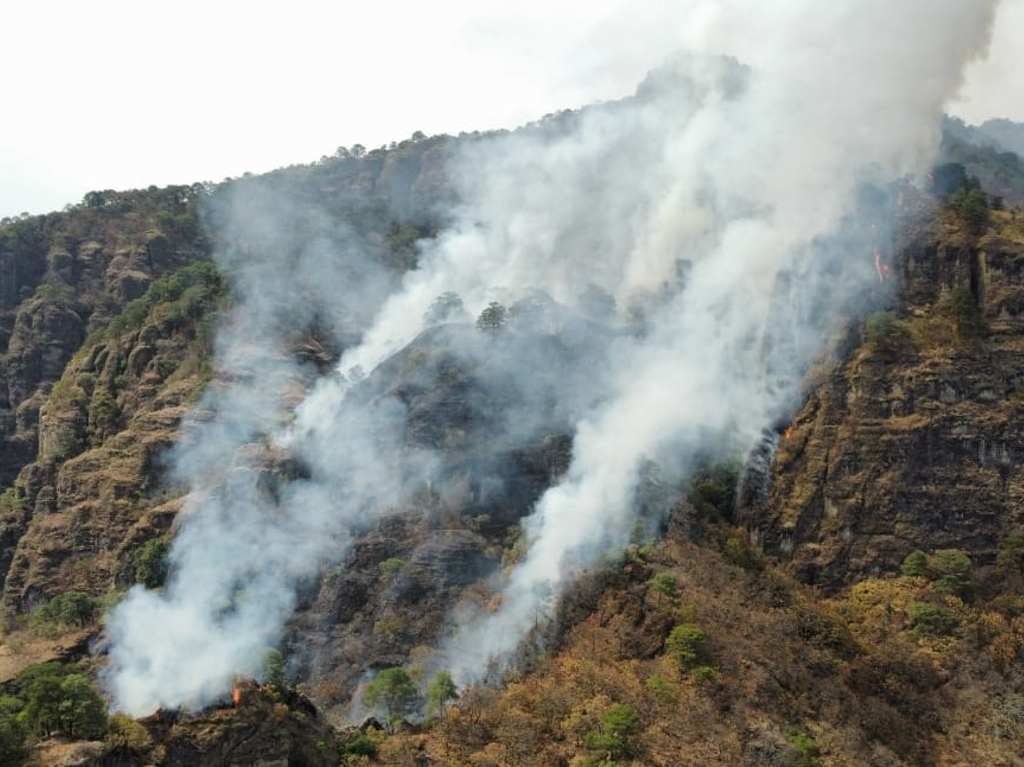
x=882, y=269
x=789, y=432
x=236, y=695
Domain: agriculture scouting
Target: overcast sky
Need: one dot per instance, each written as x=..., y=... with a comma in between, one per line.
x=112, y=94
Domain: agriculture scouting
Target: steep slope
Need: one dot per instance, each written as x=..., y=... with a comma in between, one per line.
x=914, y=442
x=911, y=442
x=62, y=276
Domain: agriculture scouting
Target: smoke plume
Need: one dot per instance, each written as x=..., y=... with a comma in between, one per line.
x=730, y=210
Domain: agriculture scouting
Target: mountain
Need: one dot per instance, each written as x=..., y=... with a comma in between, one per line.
x=1005, y=133
x=852, y=594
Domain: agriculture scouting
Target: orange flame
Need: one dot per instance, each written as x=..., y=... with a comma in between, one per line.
x=236, y=696
x=882, y=269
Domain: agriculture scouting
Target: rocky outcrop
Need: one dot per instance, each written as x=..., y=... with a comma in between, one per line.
x=916, y=440
x=63, y=276
x=90, y=499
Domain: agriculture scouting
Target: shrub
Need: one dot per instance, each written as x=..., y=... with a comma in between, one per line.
x=391, y=567
x=805, y=751
x=190, y=292
x=103, y=412
x=915, y=565
x=151, y=563
x=885, y=333
x=688, y=644
x=125, y=734
x=359, y=745
x=664, y=584
x=613, y=738
x=704, y=673
x=932, y=620
x=713, y=490
x=663, y=690
x=950, y=569
x=11, y=502
x=967, y=313
x=738, y=551
x=1010, y=559
x=820, y=629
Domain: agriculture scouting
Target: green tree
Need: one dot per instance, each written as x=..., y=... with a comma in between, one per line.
x=59, y=699
x=712, y=490
x=392, y=690
x=440, y=691
x=951, y=570
x=83, y=714
x=70, y=609
x=932, y=620
x=664, y=584
x=492, y=319
x=274, y=670
x=915, y=565
x=688, y=644
x=151, y=563
x=1010, y=560
x=971, y=205
x=12, y=732
x=613, y=739
x=447, y=307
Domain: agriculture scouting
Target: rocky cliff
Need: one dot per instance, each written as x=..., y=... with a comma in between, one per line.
x=915, y=440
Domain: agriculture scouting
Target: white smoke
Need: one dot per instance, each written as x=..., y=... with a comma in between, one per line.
x=751, y=185
x=748, y=173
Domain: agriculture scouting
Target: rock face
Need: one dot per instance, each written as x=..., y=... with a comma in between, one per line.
x=264, y=729
x=62, y=276
x=916, y=441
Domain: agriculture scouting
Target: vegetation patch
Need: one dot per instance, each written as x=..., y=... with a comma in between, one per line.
x=70, y=610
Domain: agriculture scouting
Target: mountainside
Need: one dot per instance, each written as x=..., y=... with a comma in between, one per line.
x=853, y=595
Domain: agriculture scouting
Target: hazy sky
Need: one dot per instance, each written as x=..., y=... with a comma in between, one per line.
x=119, y=94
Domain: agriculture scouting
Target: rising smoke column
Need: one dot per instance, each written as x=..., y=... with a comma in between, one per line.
x=746, y=172
x=840, y=94
x=247, y=539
